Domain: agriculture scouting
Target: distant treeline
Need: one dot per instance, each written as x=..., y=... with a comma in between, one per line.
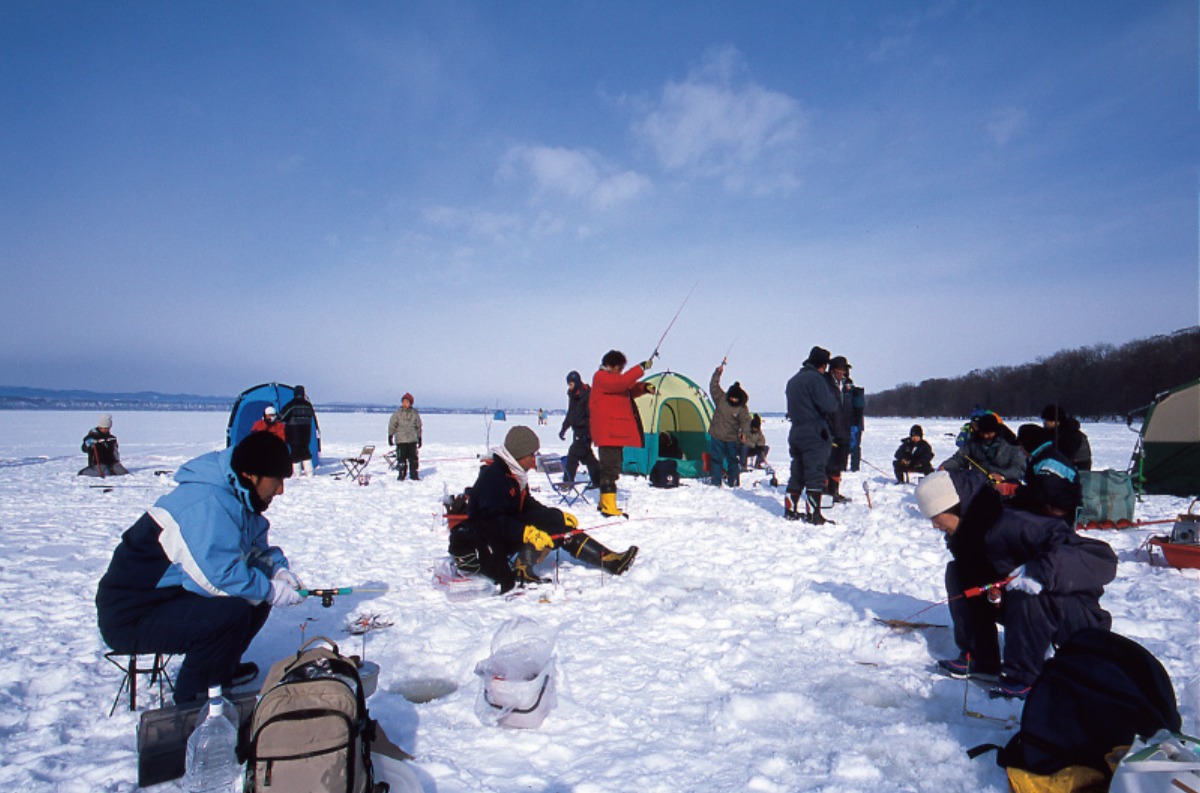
x=1099, y=382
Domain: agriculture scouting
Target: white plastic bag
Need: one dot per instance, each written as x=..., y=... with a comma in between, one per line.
x=1166, y=763
x=518, y=680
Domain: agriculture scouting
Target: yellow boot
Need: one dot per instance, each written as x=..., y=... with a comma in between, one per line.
x=608, y=506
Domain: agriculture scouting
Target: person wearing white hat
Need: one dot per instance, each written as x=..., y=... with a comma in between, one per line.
x=100, y=446
x=270, y=423
x=1049, y=580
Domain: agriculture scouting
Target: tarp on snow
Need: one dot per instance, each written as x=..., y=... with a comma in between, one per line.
x=249, y=406
x=1166, y=459
x=675, y=421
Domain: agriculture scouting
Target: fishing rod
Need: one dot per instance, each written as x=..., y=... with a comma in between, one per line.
x=725, y=360
x=654, y=354
x=974, y=591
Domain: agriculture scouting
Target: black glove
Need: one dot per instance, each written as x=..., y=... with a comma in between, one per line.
x=562, y=436
x=418, y=443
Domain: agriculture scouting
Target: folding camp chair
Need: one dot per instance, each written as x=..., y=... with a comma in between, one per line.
x=569, y=492
x=356, y=465
x=390, y=459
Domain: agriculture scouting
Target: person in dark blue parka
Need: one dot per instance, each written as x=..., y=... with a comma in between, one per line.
x=810, y=402
x=196, y=575
x=1054, y=579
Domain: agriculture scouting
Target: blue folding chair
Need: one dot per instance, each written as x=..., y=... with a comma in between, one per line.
x=568, y=491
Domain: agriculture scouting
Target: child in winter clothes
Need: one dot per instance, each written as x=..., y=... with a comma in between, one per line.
x=404, y=432
x=914, y=454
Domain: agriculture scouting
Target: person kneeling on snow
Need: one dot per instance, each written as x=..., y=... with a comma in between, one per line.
x=1053, y=580
x=195, y=574
x=504, y=521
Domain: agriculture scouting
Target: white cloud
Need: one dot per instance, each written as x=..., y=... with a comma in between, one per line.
x=1006, y=124
x=579, y=174
x=498, y=227
x=719, y=124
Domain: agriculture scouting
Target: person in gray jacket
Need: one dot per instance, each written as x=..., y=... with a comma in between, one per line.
x=404, y=432
x=730, y=424
x=810, y=402
x=986, y=452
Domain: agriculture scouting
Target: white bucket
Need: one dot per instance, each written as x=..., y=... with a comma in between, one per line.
x=518, y=677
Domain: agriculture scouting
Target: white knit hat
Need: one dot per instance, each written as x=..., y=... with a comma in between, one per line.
x=105, y=421
x=936, y=494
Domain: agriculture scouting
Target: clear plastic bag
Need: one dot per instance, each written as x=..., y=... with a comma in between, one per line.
x=518, y=678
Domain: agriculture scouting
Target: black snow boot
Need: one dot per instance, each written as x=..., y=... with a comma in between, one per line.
x=401, y=471
x=790, y=511
x=588, y=551
x=813, y=509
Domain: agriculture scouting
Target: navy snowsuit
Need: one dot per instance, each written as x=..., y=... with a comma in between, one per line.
x=990, y=543
x=579, y=421
x=810, y=402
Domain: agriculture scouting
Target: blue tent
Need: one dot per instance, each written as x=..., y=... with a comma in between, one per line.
x=249, y=406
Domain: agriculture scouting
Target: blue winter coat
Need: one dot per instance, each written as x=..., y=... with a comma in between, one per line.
x=203, y=536
x=810, y=399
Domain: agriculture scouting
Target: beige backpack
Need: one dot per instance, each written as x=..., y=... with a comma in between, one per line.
x=310, y=730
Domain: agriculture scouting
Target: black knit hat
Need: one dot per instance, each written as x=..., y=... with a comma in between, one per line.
x=818, y=356
x=262, y=454
x=736, y=395
x=1031, y=436
x=1053, y=412
x=916, y=430
x=987, y=423
x=573, y=377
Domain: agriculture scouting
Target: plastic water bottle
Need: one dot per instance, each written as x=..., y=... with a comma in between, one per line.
x=212, y=765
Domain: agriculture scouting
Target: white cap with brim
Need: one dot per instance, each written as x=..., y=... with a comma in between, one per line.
x=936, y=494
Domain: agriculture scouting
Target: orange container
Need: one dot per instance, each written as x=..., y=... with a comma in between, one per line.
x=1177, y=555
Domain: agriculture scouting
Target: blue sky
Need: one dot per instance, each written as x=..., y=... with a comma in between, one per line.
x=467, y=200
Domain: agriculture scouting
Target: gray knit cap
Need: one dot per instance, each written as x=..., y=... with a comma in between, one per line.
x=521, y=442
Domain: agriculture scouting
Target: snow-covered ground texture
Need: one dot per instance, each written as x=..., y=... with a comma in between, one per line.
x=739, y=653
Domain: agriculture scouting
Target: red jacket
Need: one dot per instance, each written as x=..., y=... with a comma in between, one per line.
x=615, y=420
x=275, y=428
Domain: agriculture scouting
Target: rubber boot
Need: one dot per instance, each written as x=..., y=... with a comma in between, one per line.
x=588, y=551
x=789, y=506
x=523, y=566
x=813, y=509
x=608, y=506
x=835, y=487
x=401, y=471
x=412, y=471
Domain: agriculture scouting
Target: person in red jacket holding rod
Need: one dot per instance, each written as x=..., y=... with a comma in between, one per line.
x=615, y=421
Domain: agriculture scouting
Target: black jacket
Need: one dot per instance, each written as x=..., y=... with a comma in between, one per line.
x=101, y=448
x=579, y=413
x=915, y=456
x=499, y=508
x=991, y=541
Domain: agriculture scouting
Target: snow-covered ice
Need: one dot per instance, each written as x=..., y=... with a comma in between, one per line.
x=739, y=653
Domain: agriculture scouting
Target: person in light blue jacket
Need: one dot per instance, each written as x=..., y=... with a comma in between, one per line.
x=196, y=574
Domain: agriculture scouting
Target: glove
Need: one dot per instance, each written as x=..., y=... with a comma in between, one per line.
x=539, y=539
x=390, y=442
x=288, y=577
x=651, y=389
x=419, y=443
x=1022, y=582
x=646, y=364
x=282, y=594
x=570, y=520
x=562, y=436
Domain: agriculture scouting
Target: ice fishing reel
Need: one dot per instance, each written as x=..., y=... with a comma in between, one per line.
x=1186, y=529
x=326, y=595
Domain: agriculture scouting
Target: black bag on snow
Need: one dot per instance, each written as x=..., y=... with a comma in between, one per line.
x=664, y=473
x=1098, y=691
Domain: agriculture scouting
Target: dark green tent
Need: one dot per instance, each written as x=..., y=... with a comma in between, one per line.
x=1166, y=460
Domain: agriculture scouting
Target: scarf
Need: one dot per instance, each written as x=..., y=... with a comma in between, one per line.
x=520, y=473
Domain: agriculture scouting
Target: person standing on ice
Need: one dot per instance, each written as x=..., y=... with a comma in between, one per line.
x=729, y=426
x=1053, y=580
x=810, y=402
x=404, y=432
x=270, y=423
x=840, y=424
x=615, y=421
x=100, y=446
x=195, y=574
x=299, y=417
x=507, y=531
x=579, y=421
